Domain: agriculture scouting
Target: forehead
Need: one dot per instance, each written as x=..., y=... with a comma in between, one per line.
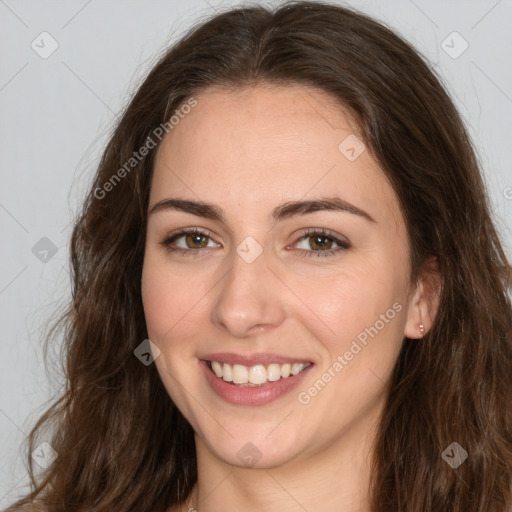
x=263, y=144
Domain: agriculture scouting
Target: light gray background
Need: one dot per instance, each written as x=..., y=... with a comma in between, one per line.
x=55, y=114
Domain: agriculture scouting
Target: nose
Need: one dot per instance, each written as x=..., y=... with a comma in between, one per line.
x=250, y=298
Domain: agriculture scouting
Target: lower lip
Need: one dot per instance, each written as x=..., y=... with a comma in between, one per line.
x=258, y=395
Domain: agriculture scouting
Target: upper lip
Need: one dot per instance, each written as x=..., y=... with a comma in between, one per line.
x=252, y=359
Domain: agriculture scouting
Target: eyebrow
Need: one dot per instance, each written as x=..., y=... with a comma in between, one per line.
x=280, y=213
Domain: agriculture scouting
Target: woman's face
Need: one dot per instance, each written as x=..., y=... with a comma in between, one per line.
x=301, y=256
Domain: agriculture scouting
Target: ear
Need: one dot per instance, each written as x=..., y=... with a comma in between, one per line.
x=424, y=300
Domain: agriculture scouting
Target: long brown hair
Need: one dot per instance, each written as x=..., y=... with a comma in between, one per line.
x=122, y=444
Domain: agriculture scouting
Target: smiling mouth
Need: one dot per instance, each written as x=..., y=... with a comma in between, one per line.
x=257, y=375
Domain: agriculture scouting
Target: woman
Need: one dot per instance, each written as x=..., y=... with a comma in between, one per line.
x=290, y=209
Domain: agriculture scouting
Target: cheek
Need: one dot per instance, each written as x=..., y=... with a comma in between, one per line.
x=155, y=299
x=164, y=296
x=167, y=296
x=365, y=314
x=361, y=311
x=352, y=300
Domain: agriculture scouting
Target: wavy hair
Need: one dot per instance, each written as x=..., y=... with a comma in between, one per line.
x=123, y=445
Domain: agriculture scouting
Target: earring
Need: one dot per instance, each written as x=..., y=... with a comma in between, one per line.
x=422, y=329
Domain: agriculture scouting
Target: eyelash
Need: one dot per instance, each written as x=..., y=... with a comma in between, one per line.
x=343, y=245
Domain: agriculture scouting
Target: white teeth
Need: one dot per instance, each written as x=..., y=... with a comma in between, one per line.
x=296, y=368
x=273, y=372
x=217, y=368
x=240, y=374
x=257, y=374
x=227, y=373
x=285, y=370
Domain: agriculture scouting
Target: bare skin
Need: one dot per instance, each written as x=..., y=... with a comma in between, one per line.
x=248, y=152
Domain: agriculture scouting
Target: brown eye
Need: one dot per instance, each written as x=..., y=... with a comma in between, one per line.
x=321, y=243
x=193, y=239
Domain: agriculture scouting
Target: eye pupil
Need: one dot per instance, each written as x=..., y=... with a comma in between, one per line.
x=195, y=238
x=317, y=241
